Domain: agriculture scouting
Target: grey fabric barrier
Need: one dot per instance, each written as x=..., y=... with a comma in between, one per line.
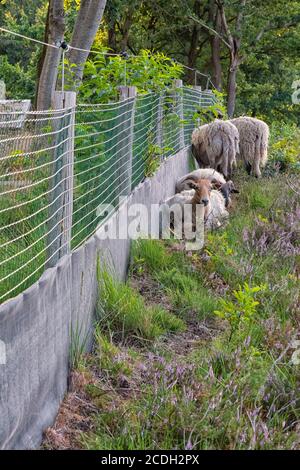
x=38, y=326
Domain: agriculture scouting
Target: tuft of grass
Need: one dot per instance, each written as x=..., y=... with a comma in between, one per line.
x=111, y=360
x=122, y=310
x=174, y=272
x=150, y=254
x=187, y=294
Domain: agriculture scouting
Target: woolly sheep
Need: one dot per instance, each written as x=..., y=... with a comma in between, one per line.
x=173, y=208
x=254, y=140
x=216, y=144
x=185, y=181
x=202, y=193
x=198, y=195
x=218, y=212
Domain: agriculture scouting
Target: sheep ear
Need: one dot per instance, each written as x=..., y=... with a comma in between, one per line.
x=191, y=183
x=235, y=191
x=216, y=184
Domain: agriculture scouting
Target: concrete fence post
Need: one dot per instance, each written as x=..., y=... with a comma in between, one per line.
x=123, y=174
x=177, y=85
x=159, y=138
x=211, y=95
x=61, y=196
x=198, y=89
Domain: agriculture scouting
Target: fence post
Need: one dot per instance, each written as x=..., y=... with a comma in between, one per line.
x=2, y=90
x=179, y=110
x=210, y=92
x=61, y=196
x=198, y=89
x=124, y=162
x=159, y=122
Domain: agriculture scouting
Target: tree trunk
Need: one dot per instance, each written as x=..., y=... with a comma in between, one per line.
x=234, y=45
x=55, y=28
x=215, y=43
x=193, y=54
x=231, y=86
x=216, y=62
x=112, y=39
x=86, y=26
x=126, y=30
x=194, y=43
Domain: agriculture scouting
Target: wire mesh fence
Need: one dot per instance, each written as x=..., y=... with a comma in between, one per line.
x=57, y=167
x=27, y=155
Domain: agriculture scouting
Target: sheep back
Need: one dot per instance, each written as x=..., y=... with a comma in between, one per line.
x=254, y=140
x=199, y=144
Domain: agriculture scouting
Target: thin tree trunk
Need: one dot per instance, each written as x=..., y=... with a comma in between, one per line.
x=231, y=86
x=126, y=30
x=86, y=26
x=234, y=45
x=215, y=42
x=194, y=45
x=193, y=54
x=55, y=28
x=112, y=40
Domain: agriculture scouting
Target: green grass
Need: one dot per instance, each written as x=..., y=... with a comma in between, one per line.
x=122, y=310
x=173, y=271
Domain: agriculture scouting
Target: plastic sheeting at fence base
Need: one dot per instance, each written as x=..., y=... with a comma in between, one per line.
x=39, y=326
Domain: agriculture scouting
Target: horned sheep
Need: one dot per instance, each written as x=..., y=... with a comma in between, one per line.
x=185, y=181
x=201, y=192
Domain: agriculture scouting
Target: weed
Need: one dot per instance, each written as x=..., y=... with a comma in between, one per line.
x=240, y=310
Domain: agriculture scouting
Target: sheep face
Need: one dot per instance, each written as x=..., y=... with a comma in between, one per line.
x=202, y=191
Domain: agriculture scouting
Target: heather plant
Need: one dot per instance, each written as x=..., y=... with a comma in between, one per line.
x=280, y=237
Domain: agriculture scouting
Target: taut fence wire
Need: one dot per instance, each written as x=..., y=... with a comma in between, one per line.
x=58, y=167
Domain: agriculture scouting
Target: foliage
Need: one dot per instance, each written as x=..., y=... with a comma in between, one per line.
x=147, y=71
x=19, y=58
x=153, y=159
x=285, y=147
x=242, y=309
x=175, y=278
x=269, y=64
x=206, y=114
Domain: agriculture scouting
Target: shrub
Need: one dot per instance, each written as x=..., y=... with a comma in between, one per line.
x=284, y=147
x=242, y=308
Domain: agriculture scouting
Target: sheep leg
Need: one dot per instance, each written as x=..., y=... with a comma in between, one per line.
x=256, y=170
x=230, y=171
x=224, y=166
x=248, y=167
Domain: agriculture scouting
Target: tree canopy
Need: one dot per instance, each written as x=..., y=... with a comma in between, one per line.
x=249, y=48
